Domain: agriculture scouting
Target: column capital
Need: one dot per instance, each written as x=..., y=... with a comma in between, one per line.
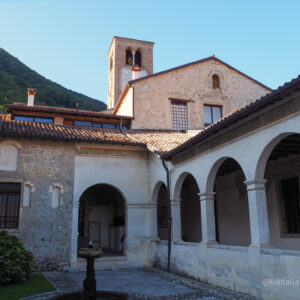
x=256, y=184
x=206, y=196
x=176, y=201
x=75, y=204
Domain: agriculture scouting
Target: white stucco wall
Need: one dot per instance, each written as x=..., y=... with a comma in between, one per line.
x=130, y=176
x=241, y=268
x=126, y=106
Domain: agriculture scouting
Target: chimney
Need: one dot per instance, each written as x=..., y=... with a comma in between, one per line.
x=31, y=93
x=136, y=72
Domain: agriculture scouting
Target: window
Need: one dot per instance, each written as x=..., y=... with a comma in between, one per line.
x=22, y=118
x=112, y=126
x=138, y=58
x=129, y=57
x=291, y=218
x=212, y=114
x=92, y=124
x=179, y=116
x=34, y=119
x=9, y=205
x=43, y=120
x=83, y=123
x=216, y=81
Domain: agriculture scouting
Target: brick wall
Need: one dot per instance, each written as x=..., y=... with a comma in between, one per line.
x=152, y=108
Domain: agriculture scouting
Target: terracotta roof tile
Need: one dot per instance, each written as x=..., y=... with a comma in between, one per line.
x=14, y=128
x=159, y=140
x=62, y=110
x=155, y=140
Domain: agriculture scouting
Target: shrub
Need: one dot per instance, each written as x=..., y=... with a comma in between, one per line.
x=15, y=261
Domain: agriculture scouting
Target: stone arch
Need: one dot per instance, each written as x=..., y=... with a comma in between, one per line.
x=220, y=77
x=102, y=218
x=160, y=199
x=209, y=186
x=29, y=188
x=9, y=154
x=156, y=191
x=178, y=184
x=279, y=166
x=265, y=154
x=83, y=189
x=138, y=57
x=226, y=180
x=186, y=192
x=129, y=56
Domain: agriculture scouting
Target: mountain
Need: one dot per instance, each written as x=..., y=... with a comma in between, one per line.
x=15, y=78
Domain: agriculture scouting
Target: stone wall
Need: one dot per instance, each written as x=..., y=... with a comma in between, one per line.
x=117, y=53
x=45, y=231
x=152, y=107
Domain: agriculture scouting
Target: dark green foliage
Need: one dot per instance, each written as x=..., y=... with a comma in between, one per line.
x=15, y=261
x=15, y=78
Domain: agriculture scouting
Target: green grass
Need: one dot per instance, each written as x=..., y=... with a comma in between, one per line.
x=36, y=284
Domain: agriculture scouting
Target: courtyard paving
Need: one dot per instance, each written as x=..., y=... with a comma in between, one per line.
x=142, y=284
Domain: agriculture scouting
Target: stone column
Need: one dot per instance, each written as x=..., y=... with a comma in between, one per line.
x=74, y=232
x=259, y=223
x=176, y=219
x=153, y=221
x=208, y=218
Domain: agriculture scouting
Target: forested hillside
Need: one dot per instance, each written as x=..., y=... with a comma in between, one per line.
x=15, y=78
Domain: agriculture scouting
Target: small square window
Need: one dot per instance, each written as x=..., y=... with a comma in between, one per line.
x=179, y=116
x=211, y=114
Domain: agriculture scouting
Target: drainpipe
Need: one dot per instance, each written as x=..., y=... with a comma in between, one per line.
x=170, y=217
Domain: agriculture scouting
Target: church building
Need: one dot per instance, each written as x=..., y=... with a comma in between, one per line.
x=195, y=168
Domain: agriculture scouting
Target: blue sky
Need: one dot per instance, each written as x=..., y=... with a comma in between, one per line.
x=67, y=40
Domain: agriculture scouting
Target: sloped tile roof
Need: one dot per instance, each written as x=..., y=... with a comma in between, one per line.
x=159, y=140
x=68, y=111
x=12, y=128
x=155, y=140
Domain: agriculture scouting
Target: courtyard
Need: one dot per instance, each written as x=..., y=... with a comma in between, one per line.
x=141, y=283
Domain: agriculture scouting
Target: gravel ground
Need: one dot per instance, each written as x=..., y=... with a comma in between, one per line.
x=174, y=286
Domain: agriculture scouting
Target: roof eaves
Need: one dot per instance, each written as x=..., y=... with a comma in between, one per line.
x=64, y=111
x=195, y=63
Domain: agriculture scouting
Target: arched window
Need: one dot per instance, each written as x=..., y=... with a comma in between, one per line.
x=129, y=57
x=216, y=81
x=138, y=58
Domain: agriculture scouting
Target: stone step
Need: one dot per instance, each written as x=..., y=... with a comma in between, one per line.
x=105, y=264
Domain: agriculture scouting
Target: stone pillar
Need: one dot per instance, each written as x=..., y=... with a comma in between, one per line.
x=74, y=234
x=208, y=217
x=176, y=219
x=153, y=221
x=259, y=223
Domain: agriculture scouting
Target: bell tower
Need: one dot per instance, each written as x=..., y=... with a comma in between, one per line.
x=123, y=55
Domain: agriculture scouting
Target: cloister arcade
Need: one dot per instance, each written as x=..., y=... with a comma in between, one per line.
x=234, y=208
